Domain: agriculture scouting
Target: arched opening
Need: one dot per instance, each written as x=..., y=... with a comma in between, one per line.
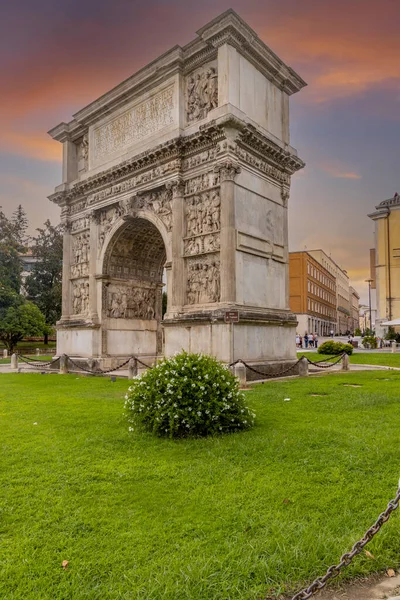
x=133, y=284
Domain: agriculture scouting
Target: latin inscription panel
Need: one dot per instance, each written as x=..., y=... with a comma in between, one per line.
x=138, y=122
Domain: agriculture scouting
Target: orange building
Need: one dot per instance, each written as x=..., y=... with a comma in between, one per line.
x=312, y=294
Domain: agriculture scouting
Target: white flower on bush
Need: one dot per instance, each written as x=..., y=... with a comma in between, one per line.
x=166, y=405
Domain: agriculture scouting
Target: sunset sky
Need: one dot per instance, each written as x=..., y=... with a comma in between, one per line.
x=56, y=56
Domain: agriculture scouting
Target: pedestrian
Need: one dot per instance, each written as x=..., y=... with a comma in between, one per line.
x=306, y=340
x=315, y=340
x=331, y=333
x=297, y=340
x=311, y=340
x=301, y=342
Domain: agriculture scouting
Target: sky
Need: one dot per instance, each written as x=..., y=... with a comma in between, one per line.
x=57, y=56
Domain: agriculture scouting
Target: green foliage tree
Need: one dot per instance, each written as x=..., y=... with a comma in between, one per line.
x=19, y=224
x=10, y=265
x=18, y=320
x=44, y=285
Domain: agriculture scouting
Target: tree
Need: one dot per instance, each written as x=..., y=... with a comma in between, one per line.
x=18, y=320
x=43, y=285
x=19, y=224
x=10, y=265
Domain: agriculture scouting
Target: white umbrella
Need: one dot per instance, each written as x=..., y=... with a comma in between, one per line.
x=393, y=322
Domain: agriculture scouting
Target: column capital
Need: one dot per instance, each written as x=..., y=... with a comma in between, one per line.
x=177, y=186
x=227, y=170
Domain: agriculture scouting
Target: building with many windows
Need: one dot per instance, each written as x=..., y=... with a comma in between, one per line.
x=321, y=295
x=354, y=309
x=312, y=294
x=343, y=310
x=385, y=273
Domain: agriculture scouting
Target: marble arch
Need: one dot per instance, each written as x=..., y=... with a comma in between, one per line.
x=185, y=166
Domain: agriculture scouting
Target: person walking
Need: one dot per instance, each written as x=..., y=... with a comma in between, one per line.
x=315, y=340
x=306, y=340
x=331, y=333
x=297, y=340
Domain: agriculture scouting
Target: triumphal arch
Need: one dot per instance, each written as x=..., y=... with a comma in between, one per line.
x=180, y=177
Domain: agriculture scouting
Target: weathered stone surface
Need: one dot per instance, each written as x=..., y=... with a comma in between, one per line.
x=183, y=169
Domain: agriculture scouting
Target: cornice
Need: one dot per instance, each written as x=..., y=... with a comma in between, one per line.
x=228, y=28
x=250, y=146
x=279, y=157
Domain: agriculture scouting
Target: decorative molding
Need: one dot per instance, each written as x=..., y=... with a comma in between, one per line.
x=251, y=244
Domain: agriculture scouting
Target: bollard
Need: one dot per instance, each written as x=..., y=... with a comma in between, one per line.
x=303, y=367
x=37, y=352
x=345, y=362
x=5, y=353
x=63, y=364
x=240, y=373
x=394, y=346
x=132, y=368
x=14, y=361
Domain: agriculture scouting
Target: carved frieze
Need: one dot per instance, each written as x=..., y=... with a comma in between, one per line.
x=202, y=244
x=80, y=224
x=134, y=182
x=203, y=280
x=201, y=183
x=201, y=92
x=77, y=207
x=80, y=297
x=203, y=213
x=80, y=255
x=136, y=123
x=131, y=302
x=262, y=165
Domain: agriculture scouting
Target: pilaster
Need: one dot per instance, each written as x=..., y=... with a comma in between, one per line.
x=66, y=273
x=177, y=284
x=228, y=171
x=94, y=236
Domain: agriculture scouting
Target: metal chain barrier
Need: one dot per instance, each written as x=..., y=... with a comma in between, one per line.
x=99, y=371
x=321, y=366
x=31, y=362
x=266, y=375
x=347, y=558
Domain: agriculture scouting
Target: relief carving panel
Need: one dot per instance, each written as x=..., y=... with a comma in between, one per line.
x=80, y=298
x=80, y=255
x=131, y=302
x=201, y=92
x=203, y=280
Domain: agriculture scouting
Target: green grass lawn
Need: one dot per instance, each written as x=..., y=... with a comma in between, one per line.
x=386, y=359
x=246, y=516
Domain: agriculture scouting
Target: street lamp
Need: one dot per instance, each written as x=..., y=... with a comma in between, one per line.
x=369, y=281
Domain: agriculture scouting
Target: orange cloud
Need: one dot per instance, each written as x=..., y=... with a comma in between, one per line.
x=36, y=145
x=339, y=172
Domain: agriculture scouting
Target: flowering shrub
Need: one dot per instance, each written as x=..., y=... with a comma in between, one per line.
x=187, y=395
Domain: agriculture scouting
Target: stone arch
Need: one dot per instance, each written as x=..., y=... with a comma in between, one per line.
x=133, y=261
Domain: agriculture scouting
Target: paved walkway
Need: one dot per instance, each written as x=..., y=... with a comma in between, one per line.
x=371, y=588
